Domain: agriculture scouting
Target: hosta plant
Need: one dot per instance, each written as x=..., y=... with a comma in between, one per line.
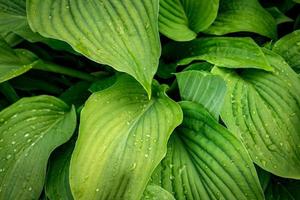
x=149, y=99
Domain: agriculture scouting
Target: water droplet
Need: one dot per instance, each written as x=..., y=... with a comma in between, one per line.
x=298, y=43
x=14, y=116
x=133, y=166
x=13, y=142
x=281, y=144
x=30, y=188
x=8, y=156
x=29, y=140
x=148, y=135
x=128, y=122
x=172, y=177
x=50, y=17
x=26, y=135
x=146, y=155
x=1, y=140
x=97, y=189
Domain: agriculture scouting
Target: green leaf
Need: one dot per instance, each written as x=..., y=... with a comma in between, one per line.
x=29, y=131
x=11, y=38
x=205, y=161
x=278, y=15
x=243, y=16
x=181, y=20
x=226, y=52
x=121, y=143
x=12, y=15
x=289, y=48
x=122, y=34
x=263, y=109
x=154, y=192
x=14, y=62
x=203, y=88
x=57, y=184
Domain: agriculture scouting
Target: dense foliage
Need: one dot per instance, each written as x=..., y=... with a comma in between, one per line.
x=149, y=99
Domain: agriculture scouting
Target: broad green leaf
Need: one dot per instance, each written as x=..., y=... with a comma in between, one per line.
x=226, y=52
x=297, y=1
x=12, y=15
x=203, y=88
x=289, y=48
x=14, y=62
x=57, y=186
x=262, y=108
x=29, y=131
x=278, y=15
x=181, y=20
x=122, y=34
x=243, y=16
x=121, y=143
x=8, y=91
x=154, y=192
x=205, y=161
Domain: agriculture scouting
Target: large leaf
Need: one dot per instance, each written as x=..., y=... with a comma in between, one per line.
x=205, y=161
x=222, y=51
x=181, y=20
x=243, y=16
x=263, y=110
x=12, y=15
x=29, y=131
x=121, y=143
x=122, y=34
x=57, y=186
x=204, y=88
x=14, y=62
x=289, y=48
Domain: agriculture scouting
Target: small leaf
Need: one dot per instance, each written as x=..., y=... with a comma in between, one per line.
x=203, y=88
x=289, y=48
x=29, y=131
x=205, y=161
x=181, y=20
x=226, y=52
x=155, y=192
x=278, y=15
x=14, y=62
x=243, y=16
x=263, y=110
x=57, y=184
x=122, y=34
x=121, y=143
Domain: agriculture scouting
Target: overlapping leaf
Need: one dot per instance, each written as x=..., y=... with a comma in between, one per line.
x=203, y=88
x=122, y=138
x=181, y=20
x=122, y=34
x=222, y=51
x=29, y=131
x=289, y=48
x=57, y=186
x=12, y=15
x=262, y=108
x=205, y=161
x=14, y=62
x=243, y=16
x=155, y=192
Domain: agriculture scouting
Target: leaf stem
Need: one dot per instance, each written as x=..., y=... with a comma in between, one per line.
x=51, y=67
